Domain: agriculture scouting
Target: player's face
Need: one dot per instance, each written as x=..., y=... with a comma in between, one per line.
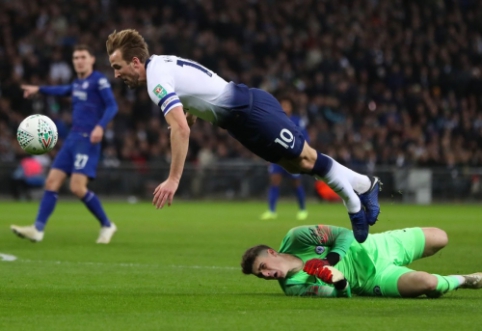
x=128, y=72
x=269, y=266
x=287, y=107
x=83, y=62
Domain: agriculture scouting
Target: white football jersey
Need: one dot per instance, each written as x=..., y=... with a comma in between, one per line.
x=173, y=81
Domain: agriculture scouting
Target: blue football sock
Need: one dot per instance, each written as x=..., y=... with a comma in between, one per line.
x=300, y=195
x=47, y=206
x=322, y=165
x=92, y=202
x=273, y=196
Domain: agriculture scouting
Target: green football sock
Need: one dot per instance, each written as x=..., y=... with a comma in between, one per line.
x=445, y=284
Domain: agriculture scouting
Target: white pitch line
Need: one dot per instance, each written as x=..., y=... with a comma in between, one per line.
x=7, y=257
x=129, y=265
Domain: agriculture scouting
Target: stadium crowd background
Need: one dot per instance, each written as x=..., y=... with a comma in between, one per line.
x=379, y=82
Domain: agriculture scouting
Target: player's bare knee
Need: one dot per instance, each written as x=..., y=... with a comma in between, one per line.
x=435, y=240
x=306, y=165
x=428, y=282
x=52, y=184
x=442, y=238
x=77, y=189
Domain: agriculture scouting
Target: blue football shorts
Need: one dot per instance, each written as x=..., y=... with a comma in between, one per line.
x=78, y=155
x=265, y=129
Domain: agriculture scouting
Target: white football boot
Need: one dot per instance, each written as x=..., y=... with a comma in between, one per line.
x=473, y=280
x=106, y=234
x=28, y=232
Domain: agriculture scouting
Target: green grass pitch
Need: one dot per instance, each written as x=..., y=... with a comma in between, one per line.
x=178, y=269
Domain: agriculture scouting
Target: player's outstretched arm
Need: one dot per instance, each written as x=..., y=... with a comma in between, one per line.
x=180, y=131
x=318, y=290
x=29, y=90
x=60, y=90
x=337, y=238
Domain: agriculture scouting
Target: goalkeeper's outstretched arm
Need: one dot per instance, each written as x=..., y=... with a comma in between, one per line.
x=318, y=290
x=334, y=284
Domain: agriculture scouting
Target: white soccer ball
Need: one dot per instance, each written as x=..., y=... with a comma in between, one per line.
x=37, y=134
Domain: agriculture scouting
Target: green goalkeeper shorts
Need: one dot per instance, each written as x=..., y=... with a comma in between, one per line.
x=391, y=252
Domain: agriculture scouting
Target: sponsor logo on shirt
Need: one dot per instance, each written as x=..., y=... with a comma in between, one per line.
x=81, y=95
x=159, y=91
x=85, y=85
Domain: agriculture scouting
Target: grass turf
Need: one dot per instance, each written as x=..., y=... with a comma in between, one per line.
x=178, y=269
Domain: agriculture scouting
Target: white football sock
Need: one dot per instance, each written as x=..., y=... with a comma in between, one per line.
x=345, y=182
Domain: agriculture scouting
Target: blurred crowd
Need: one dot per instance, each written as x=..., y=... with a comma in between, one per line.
x=379, y=82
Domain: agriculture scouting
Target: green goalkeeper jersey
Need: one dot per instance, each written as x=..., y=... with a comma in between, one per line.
x=316, y=241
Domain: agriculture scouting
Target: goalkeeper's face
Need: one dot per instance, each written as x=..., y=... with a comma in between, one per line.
x=270, y=265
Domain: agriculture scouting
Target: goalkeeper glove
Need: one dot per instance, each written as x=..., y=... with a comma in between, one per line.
x=329, y=275
x=311, y=266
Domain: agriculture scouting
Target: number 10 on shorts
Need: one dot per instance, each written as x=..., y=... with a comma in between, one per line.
x=287, y=139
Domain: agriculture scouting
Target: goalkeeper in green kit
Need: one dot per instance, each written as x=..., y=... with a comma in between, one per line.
x=326, y=261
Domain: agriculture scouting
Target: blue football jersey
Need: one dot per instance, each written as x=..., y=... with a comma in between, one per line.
x=93, y=102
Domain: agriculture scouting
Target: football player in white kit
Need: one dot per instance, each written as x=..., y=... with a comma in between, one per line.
x=185, y=90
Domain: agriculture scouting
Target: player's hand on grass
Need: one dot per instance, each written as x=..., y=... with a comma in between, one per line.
x=164, y=193
x=96, y=134
x=29, y=90
x=311, y=266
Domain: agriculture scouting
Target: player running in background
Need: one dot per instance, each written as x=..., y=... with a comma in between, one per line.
x=252, y=116
x=277, y=172
x=94, y=107
x=325, y=261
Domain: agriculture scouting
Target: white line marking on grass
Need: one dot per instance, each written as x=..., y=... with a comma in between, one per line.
x=129, y=265
x=7, y=257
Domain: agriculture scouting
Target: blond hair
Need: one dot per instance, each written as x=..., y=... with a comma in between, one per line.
x=130, y=43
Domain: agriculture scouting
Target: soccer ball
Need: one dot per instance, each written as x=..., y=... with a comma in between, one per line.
x=37, y=134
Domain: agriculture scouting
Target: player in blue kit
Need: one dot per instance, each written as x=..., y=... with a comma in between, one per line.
x=277, y=172
x=252, y=116
x=94, y=107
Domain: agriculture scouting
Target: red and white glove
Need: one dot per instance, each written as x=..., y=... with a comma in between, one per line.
x=329, y=275
x=311, y=266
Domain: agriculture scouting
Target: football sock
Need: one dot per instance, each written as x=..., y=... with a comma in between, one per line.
x=342, y=180
x=273, y=195
x=92, y=202
x=300, y=195
x=47, y=206
x=447, y=283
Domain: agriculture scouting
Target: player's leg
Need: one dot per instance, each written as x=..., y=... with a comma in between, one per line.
x=55, y=179
x=300, y=197
x=435, y=240
x=85, y=167
x=78, y=186
x=349, y=185
x=355, y=189
x=269, y=133
x=275, y=179
x=416, y=283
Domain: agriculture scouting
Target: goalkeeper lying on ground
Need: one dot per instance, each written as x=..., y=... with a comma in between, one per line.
x=326, y=261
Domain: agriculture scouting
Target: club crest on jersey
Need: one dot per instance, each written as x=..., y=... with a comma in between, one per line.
x=319, y=250
x=159, y=91
x=377, y=291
